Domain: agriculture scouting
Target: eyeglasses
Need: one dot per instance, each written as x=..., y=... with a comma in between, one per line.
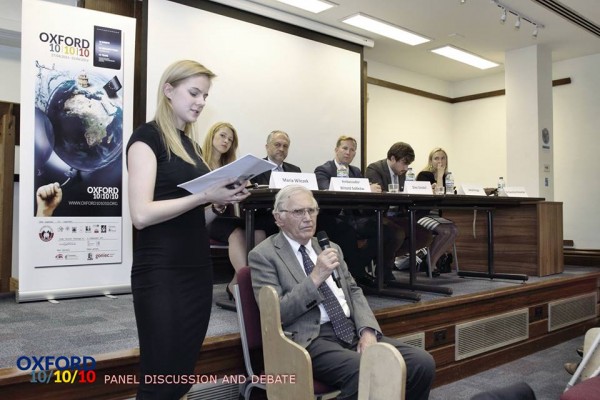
x=299, y=213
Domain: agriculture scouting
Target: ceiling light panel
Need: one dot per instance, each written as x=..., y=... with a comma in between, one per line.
x=385, y=29
x=464, y=57
x=314, y=6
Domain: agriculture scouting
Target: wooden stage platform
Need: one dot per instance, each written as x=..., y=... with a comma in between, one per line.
x=466, y=334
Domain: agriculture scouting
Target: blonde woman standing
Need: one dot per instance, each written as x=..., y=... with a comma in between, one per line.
x=171, y=276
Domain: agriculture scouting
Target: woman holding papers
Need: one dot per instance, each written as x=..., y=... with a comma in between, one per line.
x=444, y=229
x=219, y=149
x=171, y=277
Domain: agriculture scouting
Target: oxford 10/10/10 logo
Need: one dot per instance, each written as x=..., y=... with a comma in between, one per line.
x=59, y=369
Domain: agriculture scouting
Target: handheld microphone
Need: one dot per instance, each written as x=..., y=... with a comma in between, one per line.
x=324, y=243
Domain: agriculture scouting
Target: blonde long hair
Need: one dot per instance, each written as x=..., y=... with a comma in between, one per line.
x=208, y=149
x=429, y=166
x=165, y=116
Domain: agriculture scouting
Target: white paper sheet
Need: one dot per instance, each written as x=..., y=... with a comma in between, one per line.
x=243, y=169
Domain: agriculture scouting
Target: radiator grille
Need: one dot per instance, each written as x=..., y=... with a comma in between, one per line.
x=416, y=339
x=214, y=391
x=480, y=336
x=570, y=311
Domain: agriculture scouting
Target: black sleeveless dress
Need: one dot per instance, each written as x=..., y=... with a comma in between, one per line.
x=171, y=279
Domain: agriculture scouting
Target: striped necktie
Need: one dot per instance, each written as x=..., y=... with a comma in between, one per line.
x=342, y=326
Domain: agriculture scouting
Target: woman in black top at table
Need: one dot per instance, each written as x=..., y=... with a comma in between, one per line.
x=445, y=230
x=219, y=149
x=171, y=276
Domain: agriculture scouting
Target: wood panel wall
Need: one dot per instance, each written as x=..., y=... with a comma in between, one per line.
x=550, y=232
x=527, y=239
x=7, y=170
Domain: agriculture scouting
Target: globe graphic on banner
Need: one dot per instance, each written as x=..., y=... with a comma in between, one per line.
x=88, y=124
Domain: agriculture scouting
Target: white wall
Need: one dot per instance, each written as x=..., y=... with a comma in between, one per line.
x=479, y=136
x=426, y=123
x=474, y=134
x=577, y=148
x=10, y=78
x=394, y=116
x=408, y=78
x=479, y=129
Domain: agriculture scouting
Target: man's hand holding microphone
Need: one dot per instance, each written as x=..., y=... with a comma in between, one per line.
x=327, y=262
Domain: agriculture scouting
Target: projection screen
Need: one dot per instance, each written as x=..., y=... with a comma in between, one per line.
x=267, y=79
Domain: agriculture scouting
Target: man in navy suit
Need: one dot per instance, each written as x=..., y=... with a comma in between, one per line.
x=349, y=228
x=278, y=144
x=332, y=320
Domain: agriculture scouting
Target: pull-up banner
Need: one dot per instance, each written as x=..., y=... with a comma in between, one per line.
x=76, y=116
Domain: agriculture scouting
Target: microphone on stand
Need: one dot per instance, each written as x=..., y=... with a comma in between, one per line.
x=324, y=243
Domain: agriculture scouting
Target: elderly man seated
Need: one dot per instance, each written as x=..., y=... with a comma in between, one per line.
x=325, y=312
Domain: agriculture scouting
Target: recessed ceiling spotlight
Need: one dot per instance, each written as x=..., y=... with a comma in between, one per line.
x=314, y=6
x=385, y=29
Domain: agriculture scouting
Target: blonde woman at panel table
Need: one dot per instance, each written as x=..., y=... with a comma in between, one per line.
x=445, y=230
x=219, y=149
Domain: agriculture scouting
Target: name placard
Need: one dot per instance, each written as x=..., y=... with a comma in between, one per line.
x=515, y=191
x=417, y=187
x=471, y=190
x=280, y=180
x=350, y=184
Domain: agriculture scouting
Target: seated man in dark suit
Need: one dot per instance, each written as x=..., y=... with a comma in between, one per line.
x=393, y=170
x=350, y=227
x=278, y=145
x=329, y=317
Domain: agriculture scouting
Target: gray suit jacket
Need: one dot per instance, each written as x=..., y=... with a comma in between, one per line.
x=274, y=263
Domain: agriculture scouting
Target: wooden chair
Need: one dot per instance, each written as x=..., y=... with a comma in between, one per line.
x=260, y=328
x=249, y=323
x=588, y=370
x=591, y=353
x=378, y=363
x=283, y=356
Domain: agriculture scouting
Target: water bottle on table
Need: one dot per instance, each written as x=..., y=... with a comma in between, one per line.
x=342, y=171
x=501, y=186
x=449, y=183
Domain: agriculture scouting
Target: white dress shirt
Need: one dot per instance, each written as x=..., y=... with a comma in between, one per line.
x=338, y=292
